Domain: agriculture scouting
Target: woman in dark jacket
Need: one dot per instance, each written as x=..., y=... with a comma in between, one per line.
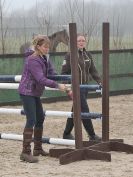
x=34, y=79
x=87, y=71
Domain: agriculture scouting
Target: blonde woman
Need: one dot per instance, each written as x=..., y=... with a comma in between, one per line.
x=87, y=71
x=33, y=82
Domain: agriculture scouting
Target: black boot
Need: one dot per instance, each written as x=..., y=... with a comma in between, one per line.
x=90, y=130
x=26, y=152
x=67, y=132
x=95, y=138
x=87, y=123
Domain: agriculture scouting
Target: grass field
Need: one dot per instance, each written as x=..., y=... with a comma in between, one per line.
x=12, y=45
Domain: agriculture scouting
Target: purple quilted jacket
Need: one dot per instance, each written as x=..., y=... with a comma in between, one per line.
x=34, y=76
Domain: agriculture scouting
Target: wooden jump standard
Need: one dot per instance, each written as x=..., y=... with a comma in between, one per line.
x=108, y=144
x=96, y=151
x=80, y=152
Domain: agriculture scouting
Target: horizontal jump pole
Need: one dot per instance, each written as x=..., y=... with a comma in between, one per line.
x=96, y=88
x=90, y=87
x=54, y=141
x=51, y=113
x=14, y=86
x=17, y=78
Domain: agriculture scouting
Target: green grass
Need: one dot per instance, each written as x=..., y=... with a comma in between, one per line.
x=12, y=45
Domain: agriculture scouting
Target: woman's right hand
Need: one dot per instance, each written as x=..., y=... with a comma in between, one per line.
x=62, y=87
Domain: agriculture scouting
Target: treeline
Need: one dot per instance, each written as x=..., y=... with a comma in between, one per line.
x=18, y=27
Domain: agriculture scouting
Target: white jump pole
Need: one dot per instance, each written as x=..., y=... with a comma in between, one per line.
x=88, y=87
x=47, y=113
x=16, y=85
x=17, y=78
x=54, y=141
x=52, y=113
x=9, y=86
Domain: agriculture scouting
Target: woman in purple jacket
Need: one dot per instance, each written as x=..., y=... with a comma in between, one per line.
x=34, y=79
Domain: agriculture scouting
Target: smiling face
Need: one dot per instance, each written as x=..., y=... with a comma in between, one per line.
x=81, y=42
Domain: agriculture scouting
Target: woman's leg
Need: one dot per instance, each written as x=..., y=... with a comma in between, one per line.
x=38, y=130
x=85, y=108
x=29, y=107
x=69, y=126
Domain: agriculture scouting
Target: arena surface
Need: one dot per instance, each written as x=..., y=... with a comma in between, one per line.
x=121, y=126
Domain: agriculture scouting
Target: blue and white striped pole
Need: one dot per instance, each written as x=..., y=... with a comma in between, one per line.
x=54, y=141
x=52, y=113
x=17, y=78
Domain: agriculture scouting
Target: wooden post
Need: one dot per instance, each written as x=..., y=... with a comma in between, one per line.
x=75, y=86
x=105, y=91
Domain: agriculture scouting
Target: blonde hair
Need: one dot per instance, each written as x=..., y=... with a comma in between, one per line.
x=40, y=40
x=80, y=34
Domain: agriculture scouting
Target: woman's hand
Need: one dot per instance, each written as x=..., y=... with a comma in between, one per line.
x=69, y=93
x=62, y=87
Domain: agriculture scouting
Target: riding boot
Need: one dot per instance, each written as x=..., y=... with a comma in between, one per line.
x=67, y=132
x=90, y=130
x=26, y=152
x=38, y=143
x=87, y=123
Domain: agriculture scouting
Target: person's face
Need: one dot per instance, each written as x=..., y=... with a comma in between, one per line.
x=44, y=49
x=81, y=42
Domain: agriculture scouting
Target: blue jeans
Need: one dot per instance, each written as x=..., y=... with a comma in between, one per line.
x=33, y=110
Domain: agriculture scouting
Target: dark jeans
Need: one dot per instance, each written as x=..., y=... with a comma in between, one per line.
x=33, y=110
x=86, y=122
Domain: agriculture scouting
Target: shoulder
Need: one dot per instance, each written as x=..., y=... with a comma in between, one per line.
x=33, y=59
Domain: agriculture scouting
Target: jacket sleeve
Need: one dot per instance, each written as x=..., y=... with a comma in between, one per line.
x=37, y=72
x=94, y=73
x=66, y=66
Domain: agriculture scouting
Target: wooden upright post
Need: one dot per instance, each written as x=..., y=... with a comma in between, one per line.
x=75, y=86
x=105, y=91
x=107, y=144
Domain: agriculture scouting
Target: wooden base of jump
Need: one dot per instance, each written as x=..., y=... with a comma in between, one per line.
x=113, y=145
x=92, y=150
x=69, y=155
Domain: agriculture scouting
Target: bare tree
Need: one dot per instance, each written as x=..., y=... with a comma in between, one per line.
x=71, y=9
x=3, y=28
x=42, y=17
x=117, y=30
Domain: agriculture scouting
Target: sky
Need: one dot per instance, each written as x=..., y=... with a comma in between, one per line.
x=26, y=4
